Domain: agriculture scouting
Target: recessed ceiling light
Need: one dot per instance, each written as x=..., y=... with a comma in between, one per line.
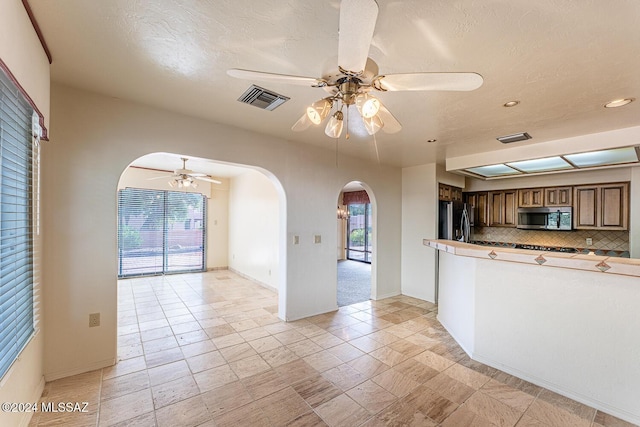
x=618, y=102
x=511, y=104
x=431, y=140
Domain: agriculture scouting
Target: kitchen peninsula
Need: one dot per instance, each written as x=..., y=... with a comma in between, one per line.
x=568, y=322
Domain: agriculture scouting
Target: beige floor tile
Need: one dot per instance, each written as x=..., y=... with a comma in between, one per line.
x=215, y=377
x=467, y=376
x=430, y=403
x=254, y=334
x=225, y=399
x=125, y=407
x=416, y=370
x=278, y=356
x=283, y=406
x=248, y=415
x=169, y=372
x=555, y=416
x=264, y=384
x=124, y=367
x=433, y=360
x=344, y=377
x=527, y=421
x=163, y=357
x=310, y=419
x=124, y=384
x=227, y=340
x=366, y=344
x=384, y=337
x=577, y=408
x=371, y=396
x=517, y=399
x=265, y=344
x=450, y=388
x=368, y=365
x=197, y=348
x=322, y=361
x=304, y=348
x=237, y=352
x=295, y=371
x=395, y=383
x=205, y=361
x=316, y=390
x=174, y=391
x=144, y=420
x=289, y=337
x=345, y=352
x=463, y=417
x=491, y=409
x=342, y=411
x=186, y=413
x=250, y=366
x=606, y=420
x=388, y=356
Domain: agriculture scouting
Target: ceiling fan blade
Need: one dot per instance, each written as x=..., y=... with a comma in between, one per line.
x=428, y=81
x=302, y=124
x=160, y=177
x=357, y=23
x=206, y=178
x=391, y=124
x=278, y=78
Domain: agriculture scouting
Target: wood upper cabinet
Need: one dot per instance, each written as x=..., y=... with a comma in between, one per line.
x=531, y=198
x=479, y=203
x=604, y=206
x=558, y=196
x=449, y=193
x=502, y=208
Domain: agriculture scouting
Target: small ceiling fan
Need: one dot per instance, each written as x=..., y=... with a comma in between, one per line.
x=185, y=178
x=357, y=76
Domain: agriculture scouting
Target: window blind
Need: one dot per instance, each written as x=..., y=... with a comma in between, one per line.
x=160, y=232
x=16, y=239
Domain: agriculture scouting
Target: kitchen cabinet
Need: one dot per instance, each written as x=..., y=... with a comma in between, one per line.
x=604, y=206
x=479, y=203
x=531, y=198
x=558, y=196
x=449, y=193
x=502, y=208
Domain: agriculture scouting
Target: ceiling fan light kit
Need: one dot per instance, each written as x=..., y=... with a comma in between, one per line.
x=358, y=75
x=186, y=178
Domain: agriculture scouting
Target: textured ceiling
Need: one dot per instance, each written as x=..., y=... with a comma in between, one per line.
x=562, y=59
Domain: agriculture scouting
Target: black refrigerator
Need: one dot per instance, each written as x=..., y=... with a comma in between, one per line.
x=455, y=221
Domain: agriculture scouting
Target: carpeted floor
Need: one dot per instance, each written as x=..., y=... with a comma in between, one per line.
x=354, y=282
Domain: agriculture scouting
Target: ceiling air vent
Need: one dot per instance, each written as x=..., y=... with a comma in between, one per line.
x=514, y=138
x=262, y=98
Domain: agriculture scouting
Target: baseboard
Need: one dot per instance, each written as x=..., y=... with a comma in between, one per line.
x=611, y=410
x=35, y=397
x=256, y=281
x=218, y=268
x=383, y=296
x=458, y=341
x=293, y=319
x=52, y=376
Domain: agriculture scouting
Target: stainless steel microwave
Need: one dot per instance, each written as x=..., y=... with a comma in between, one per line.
x=545, y=218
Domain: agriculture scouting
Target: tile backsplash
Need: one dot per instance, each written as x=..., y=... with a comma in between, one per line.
x=602, y=239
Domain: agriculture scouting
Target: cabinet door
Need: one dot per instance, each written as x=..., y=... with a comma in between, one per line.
x=614, y=206
x=558, y=196
x=585, y=210
x=456, y=194
x=509, y=208
x=530, y=198
x=495, y=208
x=444, y=192
x=482, y=210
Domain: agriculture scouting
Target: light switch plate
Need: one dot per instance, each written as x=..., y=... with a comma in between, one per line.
x=317, y=238
x=589, y=241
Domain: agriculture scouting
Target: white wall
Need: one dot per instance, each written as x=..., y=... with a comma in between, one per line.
x=634, y=217
x=419, y=221
x=22, y=54
x=217, y=209
x=95, y=139
x=254, y=222
x=574, y=332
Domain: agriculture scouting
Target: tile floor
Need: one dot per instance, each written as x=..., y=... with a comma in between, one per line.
x=209, y=350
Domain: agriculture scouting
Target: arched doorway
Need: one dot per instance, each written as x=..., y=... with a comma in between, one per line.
x=355, y=239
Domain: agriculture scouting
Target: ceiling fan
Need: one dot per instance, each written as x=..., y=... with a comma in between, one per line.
x=185, y=178
x=357, y=76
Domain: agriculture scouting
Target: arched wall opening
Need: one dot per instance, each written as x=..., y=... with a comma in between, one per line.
x=243, y=227
x=356, y=237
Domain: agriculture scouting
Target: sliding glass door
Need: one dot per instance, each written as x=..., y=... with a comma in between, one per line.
x=160, y=232
x=359, y=232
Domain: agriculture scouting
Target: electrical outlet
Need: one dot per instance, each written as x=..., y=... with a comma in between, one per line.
x=94, y=320
x=317, y=238
x=589, y=241
x=296, y=240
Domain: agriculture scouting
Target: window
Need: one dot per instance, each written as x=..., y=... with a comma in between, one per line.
x=160, y=232
x=16, y=223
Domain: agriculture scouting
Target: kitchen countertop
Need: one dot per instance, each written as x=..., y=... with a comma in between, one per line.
x=576, y=261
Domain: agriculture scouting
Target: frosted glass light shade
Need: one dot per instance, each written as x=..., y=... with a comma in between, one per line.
x=493, y=170
x=317, y=111
x=373, y=124
x=334, y=126
x=604, y=157
x=367, y=105
x=541, y=165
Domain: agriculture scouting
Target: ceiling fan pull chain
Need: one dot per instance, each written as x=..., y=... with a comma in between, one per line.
x=347, y=134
